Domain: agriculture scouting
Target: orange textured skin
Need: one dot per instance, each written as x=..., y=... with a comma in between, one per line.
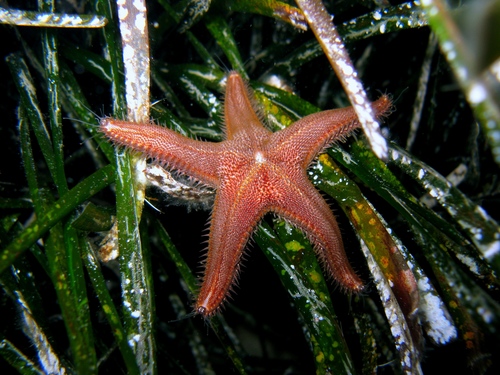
x=254, y=171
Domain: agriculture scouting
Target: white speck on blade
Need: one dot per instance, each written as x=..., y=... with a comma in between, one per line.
x=434, y=315
x=477, y=93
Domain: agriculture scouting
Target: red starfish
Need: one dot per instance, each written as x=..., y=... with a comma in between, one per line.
x=254, y=171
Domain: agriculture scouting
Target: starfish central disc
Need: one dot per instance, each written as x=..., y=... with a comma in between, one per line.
x=254, y=171
x=259, y=157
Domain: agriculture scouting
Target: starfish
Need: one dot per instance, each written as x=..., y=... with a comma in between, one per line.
x=254, y=171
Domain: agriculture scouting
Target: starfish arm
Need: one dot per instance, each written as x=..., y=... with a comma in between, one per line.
x=307, y=137
x=191, y=157
x=304, y=207
x=239, y=110
x=236, y=213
